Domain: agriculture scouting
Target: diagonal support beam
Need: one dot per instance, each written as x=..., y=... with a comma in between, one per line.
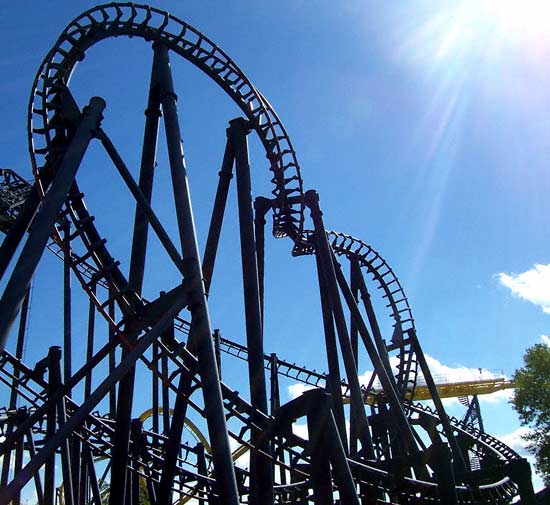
x=328, y=279
x=214, y=230
x=20, y=279
x=80, y=414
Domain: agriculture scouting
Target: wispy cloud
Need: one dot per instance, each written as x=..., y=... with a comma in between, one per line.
x=532, y=285
x=545, y=339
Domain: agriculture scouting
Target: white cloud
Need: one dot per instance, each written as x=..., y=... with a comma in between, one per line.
x=545, y=339
x=295, y=390
x=532, y=285
x=515, y=441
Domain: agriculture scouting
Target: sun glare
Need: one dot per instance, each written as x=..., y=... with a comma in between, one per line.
x=479, y=30
x=519, y=19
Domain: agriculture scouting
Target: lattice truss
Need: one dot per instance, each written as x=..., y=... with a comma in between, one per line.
x=148, y=414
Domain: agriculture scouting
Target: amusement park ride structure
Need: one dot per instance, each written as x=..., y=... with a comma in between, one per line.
x=73, y=433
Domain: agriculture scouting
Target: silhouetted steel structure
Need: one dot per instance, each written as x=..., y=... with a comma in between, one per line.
x=72, y=433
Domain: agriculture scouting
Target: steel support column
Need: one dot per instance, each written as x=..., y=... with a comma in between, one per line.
x=387, y=381
x=320, y=475
x=261, y=477
x=334, y=381
x=215, y=417
x=354, y=337
x=164, y=493
x=261, y=207
x=371, y=316
x=6, y=456
x=326, y=267
x=146, y=174
x=54, y=383
x=47, y=453
x=456, y=451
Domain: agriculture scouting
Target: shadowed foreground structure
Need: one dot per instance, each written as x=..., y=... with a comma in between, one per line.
x=69, y=429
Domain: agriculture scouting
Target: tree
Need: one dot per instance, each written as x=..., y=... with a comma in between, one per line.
x=531, y=400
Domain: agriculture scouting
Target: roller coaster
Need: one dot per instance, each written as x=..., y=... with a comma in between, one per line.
x=147, y=414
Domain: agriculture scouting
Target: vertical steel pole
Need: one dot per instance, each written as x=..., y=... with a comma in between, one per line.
x=120, y=453
x=202, y=470
x=6, y=456
x=148, y=154
x=155, y=386
x=90, y=343
x=165, y=395
x=443, y=468
x=20, y=279
x=170, y=457
x=74, y=442
x=54, y=383
x=37, y=481
x=18, y=464
x=215, y=417
x=261, y=206
x=261, y=478
x=354, y=336
x=320, y=476
x=275, y=400
x=112, y=353
x=49, y=467
x=67, y=340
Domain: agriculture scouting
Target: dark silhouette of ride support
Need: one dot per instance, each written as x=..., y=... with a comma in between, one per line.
x=73, y=423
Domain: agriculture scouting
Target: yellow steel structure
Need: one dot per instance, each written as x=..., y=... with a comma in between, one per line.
x=453, y=389
x=466, y=388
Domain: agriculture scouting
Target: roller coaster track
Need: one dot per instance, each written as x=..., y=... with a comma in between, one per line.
x=407, y=452
x=153, y=24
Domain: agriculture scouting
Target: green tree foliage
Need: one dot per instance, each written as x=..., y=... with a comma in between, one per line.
x=531, y=400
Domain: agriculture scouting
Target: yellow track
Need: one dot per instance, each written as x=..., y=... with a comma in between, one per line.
x=453, y=389
x=467, y=388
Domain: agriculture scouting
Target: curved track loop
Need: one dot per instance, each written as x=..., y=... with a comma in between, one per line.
x=152, y=24
x=149, y=23
x=397, y=302
x=98, y=271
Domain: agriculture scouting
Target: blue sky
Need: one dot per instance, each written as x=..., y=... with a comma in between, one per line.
x=424, y=127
